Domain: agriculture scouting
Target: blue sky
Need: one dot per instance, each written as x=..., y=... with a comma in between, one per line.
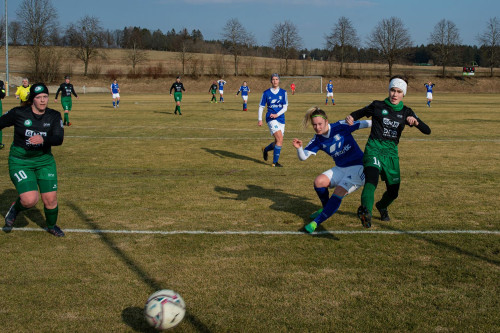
x=313, y=18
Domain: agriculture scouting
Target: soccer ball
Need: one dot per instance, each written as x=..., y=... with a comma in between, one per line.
x=164, y=309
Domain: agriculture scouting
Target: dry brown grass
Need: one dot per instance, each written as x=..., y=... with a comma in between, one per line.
x=364, y=78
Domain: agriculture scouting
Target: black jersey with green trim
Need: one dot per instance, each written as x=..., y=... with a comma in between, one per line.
x=66, y=90
x=27, y=124
x=177, y=87
x=387, y=124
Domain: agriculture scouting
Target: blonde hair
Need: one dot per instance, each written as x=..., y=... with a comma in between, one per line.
x=311, y=113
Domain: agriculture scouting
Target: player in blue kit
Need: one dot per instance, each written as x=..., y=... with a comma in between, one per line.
x=347, y=176
x=276, y=101
x=115, y=91
x=329, y=92
x=429, y=85
x=221, y=84
x=244, y=89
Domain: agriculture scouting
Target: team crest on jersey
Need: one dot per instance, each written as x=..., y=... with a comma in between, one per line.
x=385, y=112
x=28, y=123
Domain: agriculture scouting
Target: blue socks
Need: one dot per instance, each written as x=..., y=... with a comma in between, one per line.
x=331, y=207
x=323, y=195
x=269, y=147
x=277, y=152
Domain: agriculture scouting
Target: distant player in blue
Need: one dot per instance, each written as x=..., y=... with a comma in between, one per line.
x=429, y=85
x=329, y=92
x=221, y=83
x=115, y=91
x=244, y=89
x=347, y=176
x=276, y=101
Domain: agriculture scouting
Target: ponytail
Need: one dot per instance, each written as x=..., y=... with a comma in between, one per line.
x=311, y=113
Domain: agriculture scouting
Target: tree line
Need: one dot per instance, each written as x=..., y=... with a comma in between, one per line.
x=37, y=28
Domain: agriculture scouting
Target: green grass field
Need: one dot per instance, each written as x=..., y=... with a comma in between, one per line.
x=140, y=169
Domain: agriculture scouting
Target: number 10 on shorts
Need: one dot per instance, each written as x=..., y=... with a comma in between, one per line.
x=20, y=176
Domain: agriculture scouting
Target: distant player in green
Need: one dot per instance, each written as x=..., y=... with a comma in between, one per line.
x=32, y=167
x=2, y=96
x=178, y=88
x=213, y=91
x=66, y=90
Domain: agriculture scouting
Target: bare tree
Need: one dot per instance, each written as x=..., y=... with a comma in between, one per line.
x=390, y=38
x=15, y=33
x=237, y=38
x=285, y=39
x=40, y=19
x=490, y=40
x=184, y=44
x=87, y=36
x=445, y=38
x=136, y=54
x=343, y=35
x=2, y=30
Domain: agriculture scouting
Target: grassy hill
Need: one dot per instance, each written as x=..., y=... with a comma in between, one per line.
x=156, y=74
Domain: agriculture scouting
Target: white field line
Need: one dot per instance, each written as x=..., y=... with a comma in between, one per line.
x=270, y=232
x=239, y=138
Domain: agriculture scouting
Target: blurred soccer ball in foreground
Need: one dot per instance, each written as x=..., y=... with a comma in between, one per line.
x=164, y=309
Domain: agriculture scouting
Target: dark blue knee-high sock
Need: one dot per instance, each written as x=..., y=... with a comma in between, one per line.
x=323, y=195
x=269, y=147
x=277, y=152
x=331, y=207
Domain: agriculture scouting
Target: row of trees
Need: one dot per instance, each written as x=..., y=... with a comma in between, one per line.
x=389, y=41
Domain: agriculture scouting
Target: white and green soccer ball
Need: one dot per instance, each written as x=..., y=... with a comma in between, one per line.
x=164, y=309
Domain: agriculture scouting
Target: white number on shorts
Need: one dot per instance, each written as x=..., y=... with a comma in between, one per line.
x=376, y=162
x=20, y=176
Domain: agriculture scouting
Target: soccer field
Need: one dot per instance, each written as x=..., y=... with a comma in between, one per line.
x=150, y=200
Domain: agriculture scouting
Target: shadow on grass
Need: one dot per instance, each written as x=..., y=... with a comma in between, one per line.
x=34, y=214
x=133, y=316
x=163, y=112
x=228, y=154
x=442, y=244
x=282, y=202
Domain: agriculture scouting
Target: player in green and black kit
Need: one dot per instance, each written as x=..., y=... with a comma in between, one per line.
x=66, y=90
x=31, y=164
x=213, y=91
x=178, y=88
x=381, y=157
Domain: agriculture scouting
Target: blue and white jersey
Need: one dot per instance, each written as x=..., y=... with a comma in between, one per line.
x=114, y=88
x=244, y=90
x=275, y=100
x=429, y=87
x=339, y=144
x=221, y=84
x=329, y=87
